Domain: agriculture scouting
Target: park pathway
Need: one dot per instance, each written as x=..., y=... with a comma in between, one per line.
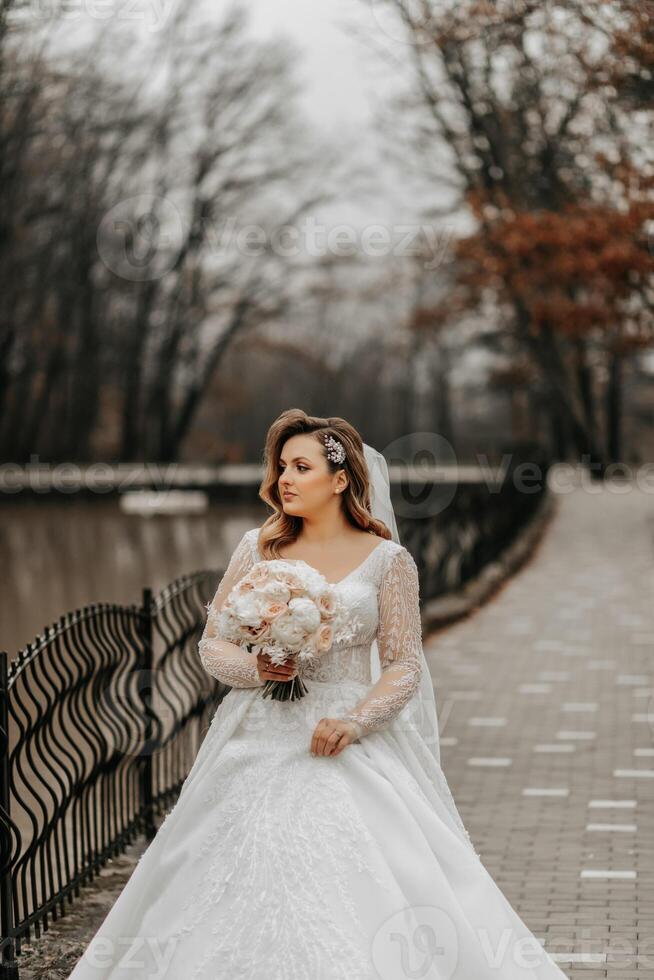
x=546, y=710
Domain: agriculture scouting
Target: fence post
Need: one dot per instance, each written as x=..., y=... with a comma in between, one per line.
x=147, y=684
x=8, y=967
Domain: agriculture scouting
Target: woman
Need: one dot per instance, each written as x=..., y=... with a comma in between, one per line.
x=317, y=839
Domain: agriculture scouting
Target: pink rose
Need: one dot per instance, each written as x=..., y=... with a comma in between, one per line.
x=292, y=582
x=259, y=574
x=257, y=632
x=323, y=638
x=326, y=604
x=274, y=609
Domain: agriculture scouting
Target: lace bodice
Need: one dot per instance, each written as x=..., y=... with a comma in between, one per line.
x=381, y=597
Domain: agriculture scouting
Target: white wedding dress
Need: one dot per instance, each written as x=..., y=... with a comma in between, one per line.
x=275, y=864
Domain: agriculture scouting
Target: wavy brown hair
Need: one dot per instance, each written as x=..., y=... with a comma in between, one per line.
x=280, y=528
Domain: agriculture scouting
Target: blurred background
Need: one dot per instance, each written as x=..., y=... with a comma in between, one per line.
x=427, y=218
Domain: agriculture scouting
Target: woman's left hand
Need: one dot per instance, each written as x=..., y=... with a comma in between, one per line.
x=331, y=736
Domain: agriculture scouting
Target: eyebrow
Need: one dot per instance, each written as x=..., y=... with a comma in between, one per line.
x=295, y=459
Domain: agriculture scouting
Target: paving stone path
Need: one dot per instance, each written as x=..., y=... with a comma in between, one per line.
x=546, y=710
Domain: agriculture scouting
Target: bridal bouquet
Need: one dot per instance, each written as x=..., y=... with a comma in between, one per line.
x=288, y=611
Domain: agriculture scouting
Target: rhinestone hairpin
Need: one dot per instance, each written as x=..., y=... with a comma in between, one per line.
x=335, y=449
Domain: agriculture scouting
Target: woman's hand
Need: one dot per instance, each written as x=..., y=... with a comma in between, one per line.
x=269, y=671
x=331, y=736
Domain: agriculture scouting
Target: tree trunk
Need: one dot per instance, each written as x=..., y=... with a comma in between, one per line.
x=559, y=432
x=554, y=372
x=586, y=393
x=190, y=403
x=132, y=429
x=614, y=408
x=443, y=397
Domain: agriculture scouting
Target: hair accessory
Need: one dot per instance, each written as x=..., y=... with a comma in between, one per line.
x=335, y=449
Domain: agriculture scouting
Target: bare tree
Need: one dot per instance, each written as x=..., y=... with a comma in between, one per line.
x=524, y=110
x=125, y=265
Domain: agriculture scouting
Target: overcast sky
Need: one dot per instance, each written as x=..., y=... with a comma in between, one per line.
x=337, y=82
x=345, y=82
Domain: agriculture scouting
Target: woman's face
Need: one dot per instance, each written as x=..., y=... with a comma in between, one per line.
x=304, y=473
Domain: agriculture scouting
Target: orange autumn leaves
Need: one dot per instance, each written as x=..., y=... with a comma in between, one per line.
x=583, y=268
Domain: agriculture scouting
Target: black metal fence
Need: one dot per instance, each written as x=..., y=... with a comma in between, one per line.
x=467, y=525
x=101, y=717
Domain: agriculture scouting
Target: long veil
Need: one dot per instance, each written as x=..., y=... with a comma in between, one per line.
x=416, y=727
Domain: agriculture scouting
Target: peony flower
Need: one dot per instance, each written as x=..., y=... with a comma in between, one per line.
x=274, y=589
x=305, y=613
x=287, y=632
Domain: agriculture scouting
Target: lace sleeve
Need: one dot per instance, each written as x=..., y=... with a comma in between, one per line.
x=228, y=662
x=399, y=640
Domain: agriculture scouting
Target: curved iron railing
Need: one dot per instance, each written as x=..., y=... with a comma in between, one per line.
x=101, y=717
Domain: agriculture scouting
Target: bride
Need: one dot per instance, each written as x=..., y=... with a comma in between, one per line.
x=317, y=838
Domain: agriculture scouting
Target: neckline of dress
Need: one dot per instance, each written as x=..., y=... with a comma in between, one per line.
x=340, y=580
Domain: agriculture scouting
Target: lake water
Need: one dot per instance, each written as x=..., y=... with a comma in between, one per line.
x=58, y=555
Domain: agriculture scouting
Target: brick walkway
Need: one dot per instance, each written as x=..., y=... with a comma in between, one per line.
x=546, y=711
x=544, y=697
